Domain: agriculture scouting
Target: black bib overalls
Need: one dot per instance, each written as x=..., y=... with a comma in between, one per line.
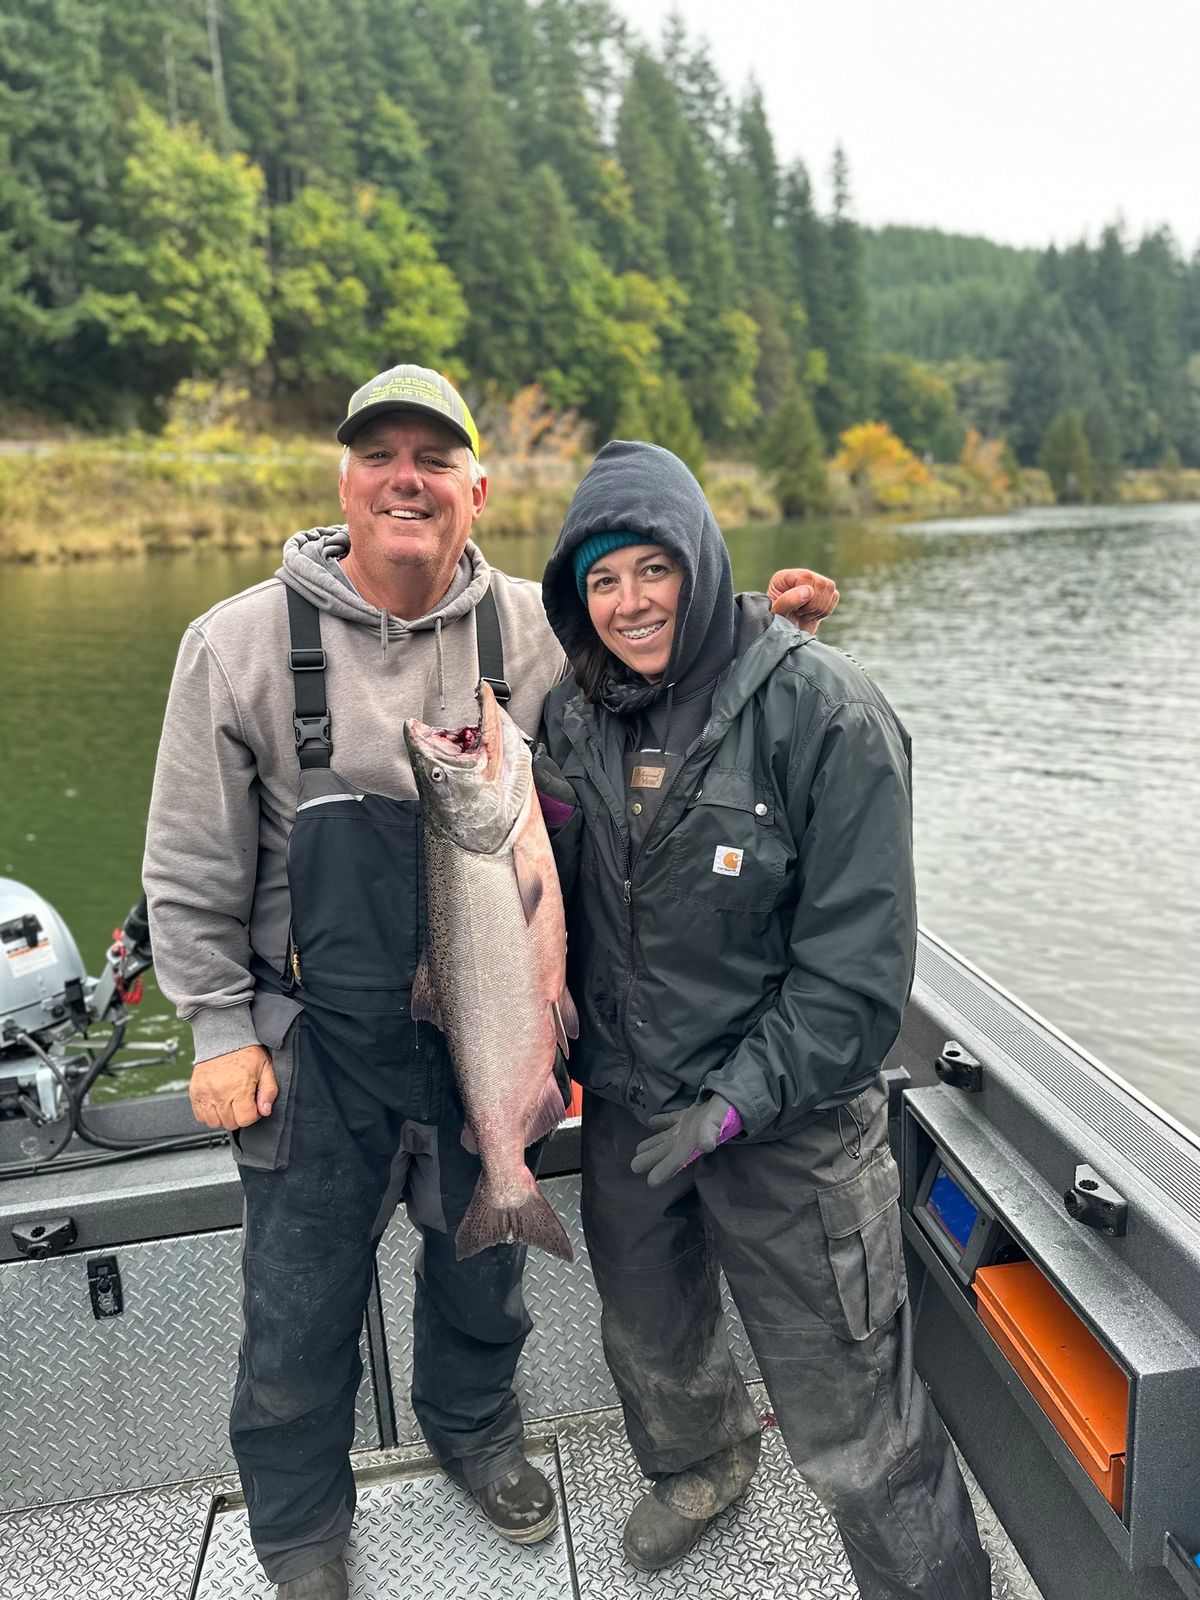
x=368, y=1115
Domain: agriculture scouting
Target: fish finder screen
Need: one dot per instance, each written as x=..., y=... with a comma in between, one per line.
x=951, y=1208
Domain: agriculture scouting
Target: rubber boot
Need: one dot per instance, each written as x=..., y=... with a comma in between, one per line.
x=520, y=1505
x=670, y=1519
x=325, y=1583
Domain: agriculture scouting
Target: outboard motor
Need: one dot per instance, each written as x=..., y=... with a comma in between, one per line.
x=44, y=1001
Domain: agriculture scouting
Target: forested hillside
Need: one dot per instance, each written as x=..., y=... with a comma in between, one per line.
x=295, y=193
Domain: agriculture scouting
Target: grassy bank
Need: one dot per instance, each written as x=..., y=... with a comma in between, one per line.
x=74, y=501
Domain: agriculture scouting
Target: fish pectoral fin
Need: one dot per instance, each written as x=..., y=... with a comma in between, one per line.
x=424, y=1003
x=560, y=1032
x=570, y=1016
x=529, y=880
x=468, y=1140
x=547, y=1114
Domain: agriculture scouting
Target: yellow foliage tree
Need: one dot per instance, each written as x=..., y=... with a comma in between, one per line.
x=984, y=460
x=874, y=459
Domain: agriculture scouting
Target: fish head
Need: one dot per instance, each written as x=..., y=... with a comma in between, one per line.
x=473, y=781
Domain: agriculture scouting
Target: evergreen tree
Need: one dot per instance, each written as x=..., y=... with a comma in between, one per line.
x=1051, y=372
x=792, y=453
x=1104, y=444
x=660, y=414
x=848, y=393
x=1066, y=456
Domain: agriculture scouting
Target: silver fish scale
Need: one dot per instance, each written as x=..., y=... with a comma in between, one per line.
x=482, y=964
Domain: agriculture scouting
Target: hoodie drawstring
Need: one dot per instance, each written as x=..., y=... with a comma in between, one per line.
x=383, y=632
x=437, y=642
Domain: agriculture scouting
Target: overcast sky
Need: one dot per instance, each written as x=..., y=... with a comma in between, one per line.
x=1025, y=120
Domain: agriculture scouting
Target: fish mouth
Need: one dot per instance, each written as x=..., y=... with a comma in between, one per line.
x=458, y=745
x=462, y=747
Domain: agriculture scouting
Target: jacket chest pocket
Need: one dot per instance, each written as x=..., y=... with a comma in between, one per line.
x=729, y=852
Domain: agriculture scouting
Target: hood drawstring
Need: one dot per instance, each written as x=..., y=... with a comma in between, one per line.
x=666, y=738
x=383, y=633
x=437, y=642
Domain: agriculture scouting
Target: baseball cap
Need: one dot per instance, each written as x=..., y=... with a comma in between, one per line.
x=410, y=388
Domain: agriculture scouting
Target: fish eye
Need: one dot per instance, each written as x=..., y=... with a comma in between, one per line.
x=437, y=775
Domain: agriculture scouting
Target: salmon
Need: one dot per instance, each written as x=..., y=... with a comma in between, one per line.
x=492, y=975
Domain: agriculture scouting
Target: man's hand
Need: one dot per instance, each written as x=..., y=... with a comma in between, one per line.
x=683, y=1136
x=234, y=1090
x=803, y=597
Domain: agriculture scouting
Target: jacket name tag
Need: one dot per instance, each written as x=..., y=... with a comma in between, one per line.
x=728, y=861
x=647, y=777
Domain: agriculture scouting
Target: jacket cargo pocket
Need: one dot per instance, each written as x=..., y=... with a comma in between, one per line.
x=265, y=1143
x=862, y=1231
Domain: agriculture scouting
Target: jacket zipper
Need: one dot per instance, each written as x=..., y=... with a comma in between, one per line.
x=627, y=896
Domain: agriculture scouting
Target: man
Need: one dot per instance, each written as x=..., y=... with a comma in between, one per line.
x=283, y=878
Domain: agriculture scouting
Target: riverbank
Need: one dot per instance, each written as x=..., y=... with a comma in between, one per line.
x=79, y=500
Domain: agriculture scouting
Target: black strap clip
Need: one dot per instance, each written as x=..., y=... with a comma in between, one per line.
x=311, y=730
x=307, y=660
x=500, y=688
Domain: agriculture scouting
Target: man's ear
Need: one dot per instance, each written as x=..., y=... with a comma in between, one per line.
x=478, y=496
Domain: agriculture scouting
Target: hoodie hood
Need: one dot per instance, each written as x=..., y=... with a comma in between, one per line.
x=310, y=566
x=642, y=488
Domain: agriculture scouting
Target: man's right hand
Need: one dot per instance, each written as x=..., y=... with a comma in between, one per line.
x=233, y=1090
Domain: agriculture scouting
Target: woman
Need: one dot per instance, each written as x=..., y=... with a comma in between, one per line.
x=741, y=934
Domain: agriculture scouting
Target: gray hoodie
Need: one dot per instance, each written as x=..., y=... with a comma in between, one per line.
x=226, y=782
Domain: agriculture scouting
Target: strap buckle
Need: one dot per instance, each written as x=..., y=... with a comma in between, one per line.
x=500, y=688
x=311, y=730
x=307, y=660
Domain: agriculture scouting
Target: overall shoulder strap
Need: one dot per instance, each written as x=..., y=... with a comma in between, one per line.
x=490, y=646
x=306, y=660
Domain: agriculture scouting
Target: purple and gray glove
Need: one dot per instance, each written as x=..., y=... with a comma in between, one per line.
x=555, y=795
x=684, y=1136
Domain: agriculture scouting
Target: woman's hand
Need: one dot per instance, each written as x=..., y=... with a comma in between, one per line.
x=803, y=597
x=683, y=1136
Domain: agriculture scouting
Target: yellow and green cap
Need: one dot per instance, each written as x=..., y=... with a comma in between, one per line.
x=410, y=388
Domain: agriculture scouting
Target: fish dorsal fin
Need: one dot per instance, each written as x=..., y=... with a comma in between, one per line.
x=547, y=1114
x=424, y=1002
x=529, y=879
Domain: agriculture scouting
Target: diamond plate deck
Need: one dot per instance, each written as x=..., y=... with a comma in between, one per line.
x=134, y=1401
x=418, y=1538
x=414, y=1535
x=562, y=1370
x=776, y=1542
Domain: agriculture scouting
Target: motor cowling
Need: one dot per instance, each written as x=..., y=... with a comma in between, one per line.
x=43, y=982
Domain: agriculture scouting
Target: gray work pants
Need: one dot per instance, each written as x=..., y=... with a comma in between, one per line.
x=807, y=1230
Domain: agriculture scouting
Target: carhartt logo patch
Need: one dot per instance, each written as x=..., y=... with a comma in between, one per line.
x=728, y=861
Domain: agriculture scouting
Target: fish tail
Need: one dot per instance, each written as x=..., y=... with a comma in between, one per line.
x=532, y=1222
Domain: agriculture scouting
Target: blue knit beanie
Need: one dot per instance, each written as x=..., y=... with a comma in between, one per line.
x=597, y=545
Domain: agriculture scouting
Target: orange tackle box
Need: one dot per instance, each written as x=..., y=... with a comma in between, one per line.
x=1073, y=1378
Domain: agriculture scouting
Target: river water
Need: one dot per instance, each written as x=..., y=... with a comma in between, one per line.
x=1047, y=664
